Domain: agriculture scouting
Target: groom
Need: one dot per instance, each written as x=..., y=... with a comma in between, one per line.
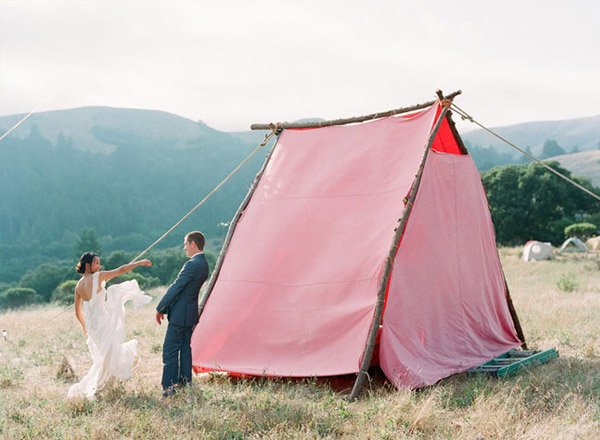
x=180, y=304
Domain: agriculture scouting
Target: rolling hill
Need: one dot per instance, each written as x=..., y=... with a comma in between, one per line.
x=585, y=163
x=582, y=134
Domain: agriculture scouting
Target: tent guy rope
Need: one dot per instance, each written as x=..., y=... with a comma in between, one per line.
x=66, y=83
x=465, y=116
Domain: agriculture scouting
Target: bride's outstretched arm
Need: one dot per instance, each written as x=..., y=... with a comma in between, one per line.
x=110, y=274
x=79, y=312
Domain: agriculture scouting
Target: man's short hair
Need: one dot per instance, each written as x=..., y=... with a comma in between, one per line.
x=196, y=237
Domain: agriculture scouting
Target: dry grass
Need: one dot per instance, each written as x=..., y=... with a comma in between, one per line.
x=556, y=400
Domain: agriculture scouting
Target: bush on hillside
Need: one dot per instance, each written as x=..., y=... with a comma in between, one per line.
x=19, y=297
x=64, y=293
x=581, y=230
x=6, y=286
x=116, y=259
x=166, y=264
x=44, y=279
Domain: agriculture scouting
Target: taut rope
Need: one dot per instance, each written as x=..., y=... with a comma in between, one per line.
x=464, y=115
x=66, y=83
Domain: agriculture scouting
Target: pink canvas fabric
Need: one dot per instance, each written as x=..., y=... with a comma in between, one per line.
x=298, y=286
x=446, y=308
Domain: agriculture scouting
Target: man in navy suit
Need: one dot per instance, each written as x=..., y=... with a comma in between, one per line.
x=180, y=304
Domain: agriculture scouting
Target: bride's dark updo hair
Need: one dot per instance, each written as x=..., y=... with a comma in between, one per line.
x=86, y=258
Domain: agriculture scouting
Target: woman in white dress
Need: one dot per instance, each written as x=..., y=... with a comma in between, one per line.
x=101, y=313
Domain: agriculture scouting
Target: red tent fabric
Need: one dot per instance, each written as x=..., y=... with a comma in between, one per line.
x=296, y=293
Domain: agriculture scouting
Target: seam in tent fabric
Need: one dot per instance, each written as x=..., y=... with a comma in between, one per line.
x=266, y=283
x=458, y=252
x=269, y=199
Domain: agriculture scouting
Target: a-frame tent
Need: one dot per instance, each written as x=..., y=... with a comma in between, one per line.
x=357, y=232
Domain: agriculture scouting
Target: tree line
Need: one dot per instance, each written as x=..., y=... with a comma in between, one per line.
x=55, y=281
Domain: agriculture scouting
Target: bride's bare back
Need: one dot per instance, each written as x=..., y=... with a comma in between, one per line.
x=83, y=289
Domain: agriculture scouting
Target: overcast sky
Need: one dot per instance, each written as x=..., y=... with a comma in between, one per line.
x=232, y=63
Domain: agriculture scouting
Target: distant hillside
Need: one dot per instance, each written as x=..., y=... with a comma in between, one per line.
x=582, y=134
x=86, y=128
x=586, y=163
x=127, y=174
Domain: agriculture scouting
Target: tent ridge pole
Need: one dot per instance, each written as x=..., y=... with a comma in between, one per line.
x=378, y=312
x=232, y=226
x=351, y=120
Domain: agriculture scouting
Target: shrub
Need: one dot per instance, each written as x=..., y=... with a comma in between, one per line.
x=44, y=279
x=63, y=294
x=166, y=264
x=581, y=230
x=19, y=297
x=116, y=259
x=567, y=283
x=6, y=286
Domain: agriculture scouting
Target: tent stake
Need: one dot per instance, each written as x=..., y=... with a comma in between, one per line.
x=350, y=120
x=378, y=312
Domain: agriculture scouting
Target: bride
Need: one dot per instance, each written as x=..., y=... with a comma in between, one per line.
x=102, y=316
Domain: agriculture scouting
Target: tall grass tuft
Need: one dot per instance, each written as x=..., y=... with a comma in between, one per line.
x=567, y=283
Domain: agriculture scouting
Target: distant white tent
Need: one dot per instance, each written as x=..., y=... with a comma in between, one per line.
x=573, y=244
x=537, y=251
x=593, y=244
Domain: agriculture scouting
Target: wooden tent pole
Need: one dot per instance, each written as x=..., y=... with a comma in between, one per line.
x=232, y=226
x=349, y=120
x=513, y=314
x=378, y=312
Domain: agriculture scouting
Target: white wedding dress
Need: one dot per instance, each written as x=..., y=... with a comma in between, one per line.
x=105, y=322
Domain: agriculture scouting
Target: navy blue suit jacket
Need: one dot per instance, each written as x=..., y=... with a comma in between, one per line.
x=180, y=303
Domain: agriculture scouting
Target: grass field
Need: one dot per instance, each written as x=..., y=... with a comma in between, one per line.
x=558, y=303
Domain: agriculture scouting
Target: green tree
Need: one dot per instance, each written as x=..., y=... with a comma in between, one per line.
x=87, y=242
x=551, y=148
x=528, y=202
x=64, y=292
x=18, y=297
x=211, y=259
x=581, y=230
x=43, y=279
x=166, y=264
x=116, y=259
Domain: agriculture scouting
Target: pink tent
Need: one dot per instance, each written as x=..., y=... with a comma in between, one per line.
x=355, y=233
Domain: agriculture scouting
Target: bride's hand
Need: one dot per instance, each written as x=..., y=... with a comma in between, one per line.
x=145, y=263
